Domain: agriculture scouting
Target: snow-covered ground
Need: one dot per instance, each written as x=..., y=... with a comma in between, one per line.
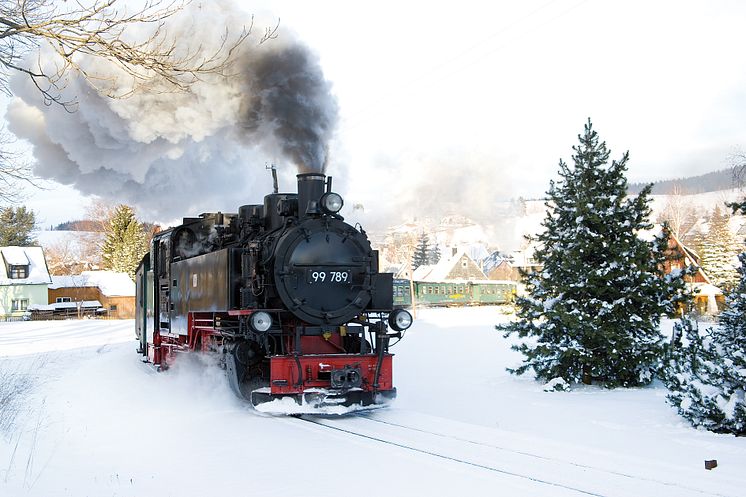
x=97, y=422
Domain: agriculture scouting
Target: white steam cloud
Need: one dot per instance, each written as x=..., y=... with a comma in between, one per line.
x=179, y=153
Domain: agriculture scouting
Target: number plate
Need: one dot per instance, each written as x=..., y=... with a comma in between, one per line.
x=336, y=277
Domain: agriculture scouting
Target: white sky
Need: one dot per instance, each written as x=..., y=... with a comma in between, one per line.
x=497, y=91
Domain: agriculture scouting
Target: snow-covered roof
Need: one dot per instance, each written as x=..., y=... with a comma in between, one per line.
x=705, y=289
x=15, y=256
x=492, y=261
x=421, y=272
x=441, y=270
x=33, y=257
x=86, y=304
x=111, y=284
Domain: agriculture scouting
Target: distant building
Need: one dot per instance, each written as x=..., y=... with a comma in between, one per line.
x=114, y=291
x=23, y=280
x=708, y=298
x=458, y=267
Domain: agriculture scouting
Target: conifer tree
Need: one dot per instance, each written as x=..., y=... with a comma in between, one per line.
x=707, y=374
x=421, y=252
x=125, y=243
x=594, y=310
x=719, y=249
x=433, y=254
x=17, y=225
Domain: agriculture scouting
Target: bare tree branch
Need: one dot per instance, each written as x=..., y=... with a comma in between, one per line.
x=105, y=30
x=136, y=43
x=14, y=170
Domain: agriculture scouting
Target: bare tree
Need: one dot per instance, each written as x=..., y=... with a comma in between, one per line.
x=678, y=212
x=66, y=257
x=738, y=163
x=100, y=30
x=148, y=57
x=14, y=170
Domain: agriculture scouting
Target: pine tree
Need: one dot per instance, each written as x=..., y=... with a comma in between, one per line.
x=125, y=242
x=594, y=310
x=16, y=227
x=433, y=254
x=707, y=375
x=421, y=252
x=719, y=249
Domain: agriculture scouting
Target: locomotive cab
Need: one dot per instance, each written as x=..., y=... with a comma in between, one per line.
x=286, y=292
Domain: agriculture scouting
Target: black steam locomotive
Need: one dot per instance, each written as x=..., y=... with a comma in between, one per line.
x=286, y=292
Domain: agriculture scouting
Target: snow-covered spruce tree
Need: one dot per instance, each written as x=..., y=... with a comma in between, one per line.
x=17, y=226
x=707, y=374
x=433, y=254
x=125, y=242
x=421, y=254
x=593, y=312
x=719, y=249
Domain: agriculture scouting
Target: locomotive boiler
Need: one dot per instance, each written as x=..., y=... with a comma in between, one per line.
x=286, y=293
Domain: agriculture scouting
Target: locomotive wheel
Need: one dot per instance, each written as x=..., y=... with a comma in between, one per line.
x=247, y=368
x=248, y=353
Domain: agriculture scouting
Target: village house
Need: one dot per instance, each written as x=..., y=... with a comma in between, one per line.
x=114, y=291
x=23, y=280
x=458, y=267
x=708, y=298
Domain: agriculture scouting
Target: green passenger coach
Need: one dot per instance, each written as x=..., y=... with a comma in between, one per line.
x=454, y=292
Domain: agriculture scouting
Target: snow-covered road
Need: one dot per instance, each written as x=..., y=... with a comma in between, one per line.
x=98, y=422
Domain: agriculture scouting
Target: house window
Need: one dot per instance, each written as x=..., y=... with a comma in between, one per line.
x=18, y=305
x=464, y=263
x=18, y=272
x=113, y=308
x=62, y=299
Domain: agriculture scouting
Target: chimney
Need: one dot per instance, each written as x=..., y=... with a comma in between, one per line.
x=310, y=190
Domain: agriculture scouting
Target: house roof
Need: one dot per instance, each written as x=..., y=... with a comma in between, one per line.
x=33, y=257
x=441, y=270
x=86, y=304
x=111, y=284
x=492, y=261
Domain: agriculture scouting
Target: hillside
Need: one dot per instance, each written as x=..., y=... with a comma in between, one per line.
x=709, y=182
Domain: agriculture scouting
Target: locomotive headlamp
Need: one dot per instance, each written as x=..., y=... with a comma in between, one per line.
x=331, y=202
x=260, y=321
x=400, y=320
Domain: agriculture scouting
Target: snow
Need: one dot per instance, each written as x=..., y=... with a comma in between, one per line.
x=15, y=256
x=99, y=422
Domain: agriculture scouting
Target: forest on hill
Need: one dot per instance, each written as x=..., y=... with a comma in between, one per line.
x=715, y=181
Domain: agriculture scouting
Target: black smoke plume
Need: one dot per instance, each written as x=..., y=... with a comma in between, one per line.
x=173, y=154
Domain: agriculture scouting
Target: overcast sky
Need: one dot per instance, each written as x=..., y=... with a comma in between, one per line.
x=464, y=103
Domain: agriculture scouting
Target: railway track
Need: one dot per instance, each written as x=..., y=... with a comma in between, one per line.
x=526, y=465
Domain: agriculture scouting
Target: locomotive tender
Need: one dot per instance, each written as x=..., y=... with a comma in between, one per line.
x=287, y=293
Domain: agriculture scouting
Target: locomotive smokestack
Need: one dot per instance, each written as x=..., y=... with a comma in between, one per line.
x=310, y=190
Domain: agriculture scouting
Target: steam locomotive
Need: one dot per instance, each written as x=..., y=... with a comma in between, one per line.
x=286, y=293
